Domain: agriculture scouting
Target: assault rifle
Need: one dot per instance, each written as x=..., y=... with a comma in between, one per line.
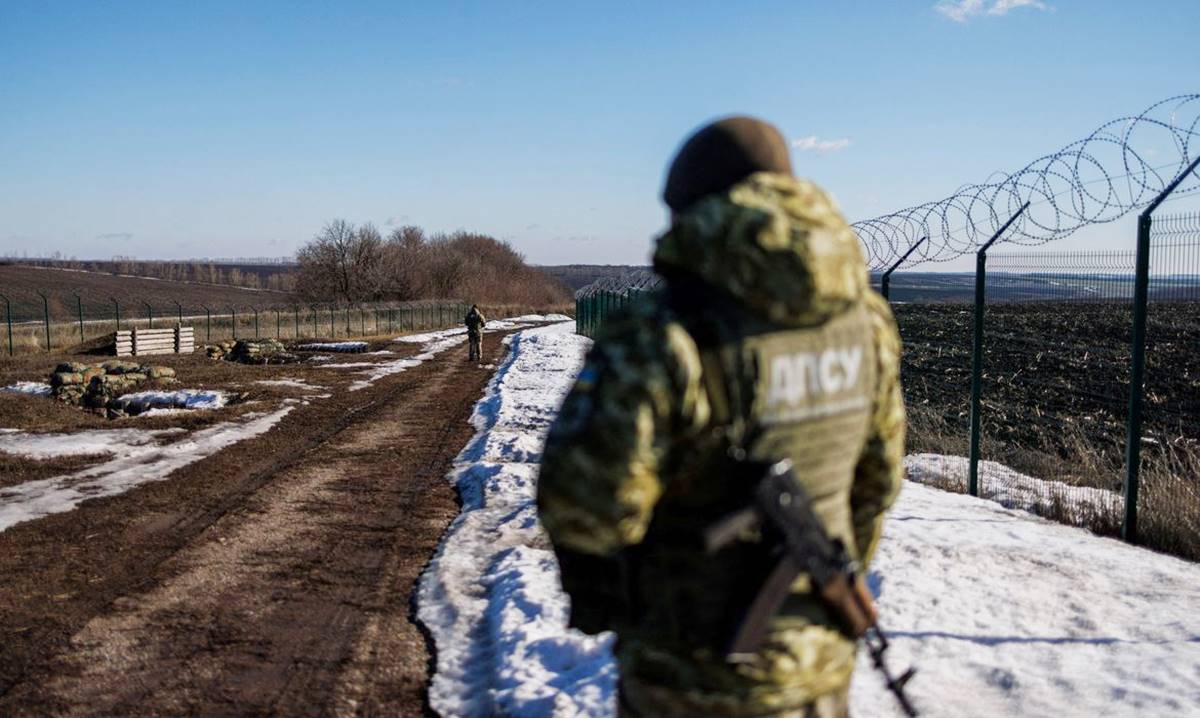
x=780, y=508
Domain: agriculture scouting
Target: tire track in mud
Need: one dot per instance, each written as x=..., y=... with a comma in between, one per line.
x=290, y=593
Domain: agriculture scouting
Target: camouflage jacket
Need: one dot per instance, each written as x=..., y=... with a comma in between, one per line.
x=633, y=460
x=475, y=321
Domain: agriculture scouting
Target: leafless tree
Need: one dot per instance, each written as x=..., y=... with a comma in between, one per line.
x=341, y=262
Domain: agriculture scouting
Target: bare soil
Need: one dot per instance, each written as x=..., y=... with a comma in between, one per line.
x=1056, y=374
x=275, y=577
x=97, y=289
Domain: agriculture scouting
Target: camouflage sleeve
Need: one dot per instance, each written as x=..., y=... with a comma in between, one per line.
x=639, y=388
x=880, y=468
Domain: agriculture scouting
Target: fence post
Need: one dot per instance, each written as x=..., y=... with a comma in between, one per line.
x=255, y=310
x=362, y=320
x=278, y=324
x=233, y=322
x=8, y=321
x=46, y=317
x=296, y=313
x=1137, y=368
x=886, y=281
x=117, y=311
x=178, y=311
x=207, y=323
x=79, y=309
x=977, y=350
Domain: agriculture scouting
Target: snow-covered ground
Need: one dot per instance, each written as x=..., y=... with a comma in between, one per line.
x=1002, y=612
x=188, y=399
x=37, y=388
x=490, y=596
x=1007, y=614
x=138, y=458
x=1009, y=488
x=290, y=383
x=434, y=343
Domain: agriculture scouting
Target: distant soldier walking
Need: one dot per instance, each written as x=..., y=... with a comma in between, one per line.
x=765, y=348
x=475, y=322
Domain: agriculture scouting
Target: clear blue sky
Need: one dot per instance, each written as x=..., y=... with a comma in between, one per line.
x=165, y=129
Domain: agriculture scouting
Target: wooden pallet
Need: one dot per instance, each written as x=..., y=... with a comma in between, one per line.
x=142, y=342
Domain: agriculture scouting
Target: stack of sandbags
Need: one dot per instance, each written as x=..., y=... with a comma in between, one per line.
x=260, y=351
x=67, y=382
x=95, y=385
x=219, y=351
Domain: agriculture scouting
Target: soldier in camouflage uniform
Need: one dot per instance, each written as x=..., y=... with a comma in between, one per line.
x=475, y=322
x=766, y=338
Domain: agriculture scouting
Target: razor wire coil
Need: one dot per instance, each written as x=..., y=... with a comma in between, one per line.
x=1094, y=180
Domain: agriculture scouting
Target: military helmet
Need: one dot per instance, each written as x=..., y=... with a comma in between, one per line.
x=721, y=154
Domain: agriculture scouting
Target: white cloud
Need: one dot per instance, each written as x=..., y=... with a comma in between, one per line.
x=812, y=143
x=964, y=10
x=1001, y=7
x=961, y=10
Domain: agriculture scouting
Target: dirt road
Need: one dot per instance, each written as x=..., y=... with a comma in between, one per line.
x=274, y=577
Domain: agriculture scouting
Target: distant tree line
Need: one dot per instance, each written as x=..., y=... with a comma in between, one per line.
x=349, y=263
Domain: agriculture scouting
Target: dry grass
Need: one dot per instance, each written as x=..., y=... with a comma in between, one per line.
x=1169, y=500
x=19, y=469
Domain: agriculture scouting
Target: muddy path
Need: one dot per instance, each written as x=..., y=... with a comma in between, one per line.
x=274, y=577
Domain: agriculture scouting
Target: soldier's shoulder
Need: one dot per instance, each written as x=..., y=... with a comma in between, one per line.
x=647, y=331
x=877, y=306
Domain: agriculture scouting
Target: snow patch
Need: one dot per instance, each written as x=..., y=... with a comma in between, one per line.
x=186, y=399
x=289, y=382
x=82, y=443
x=36, y=388
x=1009, y=488
x=349, y=365
x=493, y=325
x=139, y=459
x=491, y=597
x=434, y=343
x=1008, y=614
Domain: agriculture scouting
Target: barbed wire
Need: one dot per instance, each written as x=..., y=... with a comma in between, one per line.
x=1095, y=180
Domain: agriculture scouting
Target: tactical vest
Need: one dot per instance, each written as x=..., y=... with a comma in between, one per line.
x=776, y=392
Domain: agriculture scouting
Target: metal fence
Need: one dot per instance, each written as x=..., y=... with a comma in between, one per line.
x=599, y=301
x=1032, y=395
x=48, y=321
x=1054, y=390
